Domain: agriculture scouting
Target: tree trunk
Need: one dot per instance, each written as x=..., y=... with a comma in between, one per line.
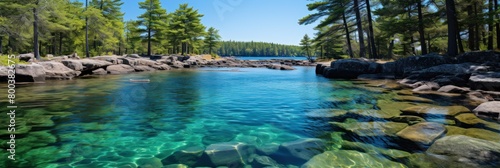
x=478, y=29
x=86, y=32
x=490, y=25
x=485, y=39
x=60, y=43
x=412, y=44
x=391, y=48
x=429, y=47
x=460, y=45
x=149, y=41
x=497, y=26
x=347, y=35
x=471, y=40
x=35, y=32
x=421, y=28
x=452, y=28
x=54, y=41
x=360, y=30
x=370, y=29
x=369, y=46
x=1, y=46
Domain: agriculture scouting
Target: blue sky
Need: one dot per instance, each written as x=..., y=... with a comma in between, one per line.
x=244, y=20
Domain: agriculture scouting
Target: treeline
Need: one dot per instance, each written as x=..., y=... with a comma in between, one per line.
x=236, y=48
x=96, y=27
x=388, y=29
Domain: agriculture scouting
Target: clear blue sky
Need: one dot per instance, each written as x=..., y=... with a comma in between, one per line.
x=244, y=20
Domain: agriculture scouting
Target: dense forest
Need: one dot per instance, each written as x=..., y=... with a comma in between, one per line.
x=97, y=27
x=389, y=28
x=235, y=48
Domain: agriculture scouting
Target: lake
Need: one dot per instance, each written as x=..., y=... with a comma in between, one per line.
x=112, y=122
x=269, y=58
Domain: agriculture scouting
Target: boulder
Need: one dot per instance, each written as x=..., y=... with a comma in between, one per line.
x=146, y=62
x=422, y=134
x=56, y=70
x=488, y=110
x=445, y=69
x=73, y=64
x=453, y=89
x=99, y=71
x=143, y=68
x=436, y=111
x=320, y=68
x=133, y=56
x=176, y=64
x=30, y=73
x=299, y=151
x=412, y=99
x=349, y=158
x=389, y=67
x=487, y=81
x=411, y=120
x=112, y=59
x=405, y=66
x=479, y=57
x=468, y=120
x=264, y=161
x=129, y=61
x=370, y=129
x=280, y=67
x=119, y=69
x=229, y=154
x=4, y=74
x=26, y=57
x=468, y=150
x=351, y=68
x=74, y=56
x=161, y=67
x=90, y=65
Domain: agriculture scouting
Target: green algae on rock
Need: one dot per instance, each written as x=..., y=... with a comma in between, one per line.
x=413, y=99
x=370, y=129
x=423, y=134
x=350, y=158
x=436, y=111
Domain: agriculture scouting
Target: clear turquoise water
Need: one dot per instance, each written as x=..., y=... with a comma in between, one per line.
x=111, y=122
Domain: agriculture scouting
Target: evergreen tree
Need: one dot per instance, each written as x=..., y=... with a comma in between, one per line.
x=185, y=28
x=212, y=39
x=154, y=21
x=306, y=46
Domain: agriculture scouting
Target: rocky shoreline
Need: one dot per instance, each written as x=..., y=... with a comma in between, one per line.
x=475, y=75
x=69, y=67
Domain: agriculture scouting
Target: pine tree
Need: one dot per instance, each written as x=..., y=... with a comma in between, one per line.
x=306, y=46
x=212, y=39
x=185, y=28
x=153, y=20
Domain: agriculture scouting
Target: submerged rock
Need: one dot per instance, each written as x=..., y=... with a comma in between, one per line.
x=473, y=132
x=349, y=158
x=149, y=162
x=436, y=111
x=371, y=129
x=468, y=150
x=409, y=119
x=422, y=134
x=413, y=99
x=264, y=161
x=189, y=156
x=229, y=154
x=393, y=154
x=299, y=151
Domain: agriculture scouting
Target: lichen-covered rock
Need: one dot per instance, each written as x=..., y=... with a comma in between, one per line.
x=349, y=158
x=422, y=134
x=468, y=150
x=412, y=99
x=30, y=73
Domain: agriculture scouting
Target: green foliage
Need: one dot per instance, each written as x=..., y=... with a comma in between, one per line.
x=306, y=46
x=185, y=29
x=212, y=40
x=154, y=21
x=4, y=60
x=235, y=48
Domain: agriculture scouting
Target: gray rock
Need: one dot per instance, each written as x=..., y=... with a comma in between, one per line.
x=149, y=163
x=280, y=67
x=146, y=62
x=479, y=57
x=320, y=68
x=488, y=81
x=405, y=66
x=176, y=64
x=468, y=150
x=73, y=64
x=488, y=110
x=143, y=68
x=161, y=67
x=351, y=68
x=90, y=65
x=57, y=70
x=120, y=69
x=445, y=69
x=426, y=86
x=26, y=57
x=4, y=74
x=129, y=61
x=99, y=71
x=300, y=151
x=112, y=59
x=133, y=56
x=389, y=67
x=229, y=154
x=422, y=134
x=453, y=89
x=30, y=73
